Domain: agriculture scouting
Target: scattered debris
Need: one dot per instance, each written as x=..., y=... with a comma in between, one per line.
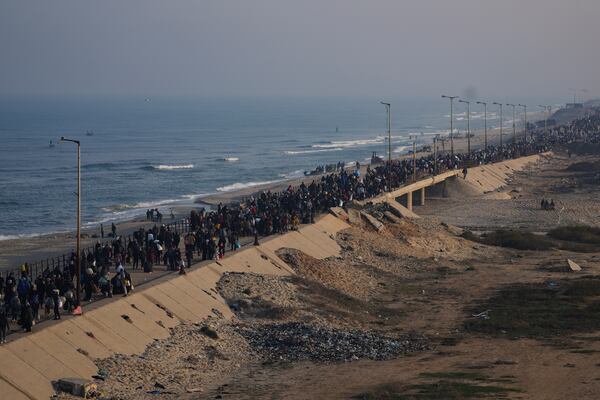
x=210, y=332
x=482, y=315
x=372, y=221
x=573, y=266
x=76, y=386
x=298, y=341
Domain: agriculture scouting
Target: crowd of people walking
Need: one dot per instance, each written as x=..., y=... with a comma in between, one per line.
x=211, y=232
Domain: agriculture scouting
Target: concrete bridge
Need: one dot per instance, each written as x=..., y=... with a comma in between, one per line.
x=481, y=179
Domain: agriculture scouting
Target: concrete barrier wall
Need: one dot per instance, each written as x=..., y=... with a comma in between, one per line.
x=128, y=325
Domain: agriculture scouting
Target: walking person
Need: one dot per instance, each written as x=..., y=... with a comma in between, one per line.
x=3, y=321
x=56, y=303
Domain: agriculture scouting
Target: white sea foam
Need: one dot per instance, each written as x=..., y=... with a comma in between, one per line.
x=20, y=236
x=168, y=167
x=348, y=143
x=240, y=185
x=401, y=149
x=231, y=159
x=299, y=173
x=293, y=152
x=143, y=204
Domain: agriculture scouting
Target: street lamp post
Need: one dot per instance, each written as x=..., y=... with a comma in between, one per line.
x=435, y=140
x=547, y=111
x=78, y=260
x=468, y=103
x=451, y=121
x=501, y=122
x=525, y=112
x=414, y=157
x=574, y=96
x=514, y=128
x=484, y=122
x=388, y=107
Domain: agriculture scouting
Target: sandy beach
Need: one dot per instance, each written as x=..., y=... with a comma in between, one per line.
x=15, y=252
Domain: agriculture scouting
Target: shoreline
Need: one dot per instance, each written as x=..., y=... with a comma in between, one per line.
x=35, y=247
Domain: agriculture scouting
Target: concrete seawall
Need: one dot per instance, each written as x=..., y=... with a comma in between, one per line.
x=128, y=325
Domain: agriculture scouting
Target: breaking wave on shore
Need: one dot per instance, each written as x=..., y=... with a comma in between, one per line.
x=348, y=143
x=293, y=152
x=21, y=236
x=169, y=167
x=246, y=185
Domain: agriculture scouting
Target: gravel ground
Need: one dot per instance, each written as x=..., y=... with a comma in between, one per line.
x=181, y=364
x=298, y=341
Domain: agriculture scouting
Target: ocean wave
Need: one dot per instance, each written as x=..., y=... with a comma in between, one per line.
x=140, y=205
x=246, y=185
x=231, y=159
x=348, y=143
x=299, y=173
x=293, y=152
x=170, y=167
x=401, y=149
x=20, y=236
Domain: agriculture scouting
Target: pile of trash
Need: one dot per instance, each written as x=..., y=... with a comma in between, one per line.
x=296, y=341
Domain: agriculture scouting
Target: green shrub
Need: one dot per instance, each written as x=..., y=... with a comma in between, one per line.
x=517, y=240
x=576, y=233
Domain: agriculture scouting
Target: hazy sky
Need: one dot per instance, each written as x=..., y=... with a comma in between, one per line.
x=301, y=47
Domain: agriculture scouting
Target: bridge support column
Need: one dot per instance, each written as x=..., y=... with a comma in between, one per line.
x=409, y=196
x=422, y=197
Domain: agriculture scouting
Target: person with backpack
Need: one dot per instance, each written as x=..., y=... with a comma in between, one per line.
x=23, y=288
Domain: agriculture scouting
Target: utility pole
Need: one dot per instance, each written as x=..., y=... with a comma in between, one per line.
x=78, y=259
x=468, y=103
x=388, y=107
x=451, y=121
x=484, y=122
x=414, y=160
x=501, y=122
x=525, y=111
x=546, y=114
x=514, y=128
x=435, y=140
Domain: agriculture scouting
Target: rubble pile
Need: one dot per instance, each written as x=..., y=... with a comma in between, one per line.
x=296, y=341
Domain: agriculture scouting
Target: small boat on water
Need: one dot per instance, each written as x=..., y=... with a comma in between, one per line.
x=51, y=144
x=89, y=133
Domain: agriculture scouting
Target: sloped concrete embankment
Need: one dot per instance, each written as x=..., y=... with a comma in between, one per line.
x=29, y=364
x=490, y=177
x=481, y=179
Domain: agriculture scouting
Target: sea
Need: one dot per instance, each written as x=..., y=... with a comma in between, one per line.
x=146, y=152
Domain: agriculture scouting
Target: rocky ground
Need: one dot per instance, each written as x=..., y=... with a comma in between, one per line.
x=413, y=312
